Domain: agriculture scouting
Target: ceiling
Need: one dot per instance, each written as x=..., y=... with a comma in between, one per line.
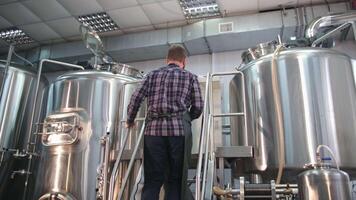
x=54, y=21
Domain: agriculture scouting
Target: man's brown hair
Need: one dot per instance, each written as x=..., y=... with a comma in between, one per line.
x=176, y=53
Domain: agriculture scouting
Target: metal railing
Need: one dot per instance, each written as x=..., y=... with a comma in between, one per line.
x=204, y=183
x=115, y=170
x=34, y=107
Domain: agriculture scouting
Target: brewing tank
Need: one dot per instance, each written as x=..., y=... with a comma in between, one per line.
x=317, y=100
x=322, y=182
x=16, y=103
x=85, y=112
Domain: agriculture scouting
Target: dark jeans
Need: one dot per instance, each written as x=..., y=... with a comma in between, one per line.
x=163, y=162
x=166, y=161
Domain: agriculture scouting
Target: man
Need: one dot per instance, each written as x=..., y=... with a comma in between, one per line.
x=173, y=99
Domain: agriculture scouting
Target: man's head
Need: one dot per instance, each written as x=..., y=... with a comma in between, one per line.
x=177, y=55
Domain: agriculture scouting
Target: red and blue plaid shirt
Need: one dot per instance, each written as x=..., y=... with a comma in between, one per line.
x=169, y=90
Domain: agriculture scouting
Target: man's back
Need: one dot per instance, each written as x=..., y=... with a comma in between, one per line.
x=170, y=92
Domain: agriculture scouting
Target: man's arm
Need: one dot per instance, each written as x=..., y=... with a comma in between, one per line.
x=135, y=102
x=197, y=102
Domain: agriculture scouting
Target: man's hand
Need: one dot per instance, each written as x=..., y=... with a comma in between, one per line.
x=129, y=125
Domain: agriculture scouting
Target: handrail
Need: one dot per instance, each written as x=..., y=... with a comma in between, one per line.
x=206, y=157
x=243, y=113
x=34, y=107
x=207, y=134
x=115, y=169
x=114, y=172
x=39, y=74
x=131, y=163
x=202, y=138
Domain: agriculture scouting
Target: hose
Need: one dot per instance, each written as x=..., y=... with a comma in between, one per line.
x=329, y=150
x=276, y=92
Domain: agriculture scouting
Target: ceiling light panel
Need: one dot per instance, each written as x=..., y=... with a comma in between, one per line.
x=15, y=36
x=100, y=22
x=194, y=9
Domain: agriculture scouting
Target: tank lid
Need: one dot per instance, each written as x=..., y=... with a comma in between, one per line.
x=95, y=74
x=260, y=50
x=127, y=70
x=308, y=51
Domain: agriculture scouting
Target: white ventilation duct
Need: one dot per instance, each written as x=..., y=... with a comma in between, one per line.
x=202, y=37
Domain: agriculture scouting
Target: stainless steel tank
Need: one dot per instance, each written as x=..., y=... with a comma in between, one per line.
x=16, y=103
x=82, y=130
x=322, y=182
x=317, y=98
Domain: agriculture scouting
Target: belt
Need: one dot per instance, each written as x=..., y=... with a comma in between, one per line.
x=162, y=116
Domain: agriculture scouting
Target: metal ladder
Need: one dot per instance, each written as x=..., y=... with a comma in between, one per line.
x=119, y=158
x=207, y=154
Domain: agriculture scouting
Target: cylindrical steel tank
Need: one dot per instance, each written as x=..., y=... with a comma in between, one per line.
x=322, y=182
x=317, y=99
x=84, y=110
x=16, y=103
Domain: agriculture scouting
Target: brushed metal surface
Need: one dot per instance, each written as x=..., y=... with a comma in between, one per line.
x=318, y=102
x=97, y=97
x=324, y=183
x=17, y=100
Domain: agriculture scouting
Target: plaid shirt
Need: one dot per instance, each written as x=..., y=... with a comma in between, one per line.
x=169, y=90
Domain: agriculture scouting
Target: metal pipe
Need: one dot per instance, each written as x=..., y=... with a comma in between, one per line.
x=286, y=185
x=23, y=59
x=202, y=139
x=278, y=110
x=225, y=73
x=211, y=160
x=7, y=64
x=244, y=104
x=246, y=191
x=131, y=163
x=228, y=114
x=211, y=111
x=329, y=20
x=328, y=34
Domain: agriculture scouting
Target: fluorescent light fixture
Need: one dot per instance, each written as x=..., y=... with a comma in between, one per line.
x=194, y=9
x=15, y=36
x=100, y=22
